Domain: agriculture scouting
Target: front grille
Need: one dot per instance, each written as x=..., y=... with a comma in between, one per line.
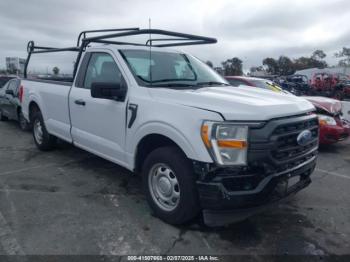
x=286, y=135
x=296, y=126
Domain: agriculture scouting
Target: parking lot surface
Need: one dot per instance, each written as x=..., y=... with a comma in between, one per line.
x=71, y=202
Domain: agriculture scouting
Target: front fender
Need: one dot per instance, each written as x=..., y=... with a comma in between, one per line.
x=189, y=147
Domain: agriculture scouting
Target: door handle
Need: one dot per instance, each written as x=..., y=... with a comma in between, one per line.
x=80, y=102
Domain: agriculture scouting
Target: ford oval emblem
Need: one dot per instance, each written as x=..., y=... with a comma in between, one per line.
x=304, y=137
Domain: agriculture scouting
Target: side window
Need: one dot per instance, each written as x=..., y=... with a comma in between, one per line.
x=13, y=86
x=183, y=70
x=102, y=69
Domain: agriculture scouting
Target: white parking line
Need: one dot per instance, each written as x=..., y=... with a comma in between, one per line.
x=7, y=239
x=332, y=173
x=25, y=169
x=36, y=167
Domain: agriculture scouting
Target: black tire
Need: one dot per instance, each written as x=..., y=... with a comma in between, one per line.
x=48, y=141
x=188, y=205
x=22, y=122
x=2, y=117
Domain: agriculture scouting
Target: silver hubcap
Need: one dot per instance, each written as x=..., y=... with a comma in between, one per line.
x=164, y=187
x=38, y=131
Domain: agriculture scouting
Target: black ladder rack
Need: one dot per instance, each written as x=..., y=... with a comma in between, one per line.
x=173, y=39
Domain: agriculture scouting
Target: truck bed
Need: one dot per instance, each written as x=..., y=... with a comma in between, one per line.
x=52, y=96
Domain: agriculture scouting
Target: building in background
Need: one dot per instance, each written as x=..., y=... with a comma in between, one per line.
x=15, y=65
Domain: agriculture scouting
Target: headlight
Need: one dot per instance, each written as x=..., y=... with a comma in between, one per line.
x=227, y=143
x=326, y=120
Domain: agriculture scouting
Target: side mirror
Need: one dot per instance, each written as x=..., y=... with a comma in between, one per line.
x=108, y=91
x=9, y=92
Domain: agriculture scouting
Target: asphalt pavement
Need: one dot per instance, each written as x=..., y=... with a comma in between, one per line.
x=71, y=202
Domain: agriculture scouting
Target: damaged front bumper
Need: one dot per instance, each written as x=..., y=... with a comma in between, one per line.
x=277, y=166
x=227, y=199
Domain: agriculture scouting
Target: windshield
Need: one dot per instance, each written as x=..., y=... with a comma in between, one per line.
x=166, y=69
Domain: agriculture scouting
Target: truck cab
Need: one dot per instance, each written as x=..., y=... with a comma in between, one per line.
x=199, y=145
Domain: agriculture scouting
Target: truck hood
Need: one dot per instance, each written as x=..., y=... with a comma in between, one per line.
x=237, y=103
x=329, y=105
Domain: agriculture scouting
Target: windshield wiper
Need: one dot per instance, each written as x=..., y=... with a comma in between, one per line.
x=170, y=85
x=211, y=83
x=172, y=80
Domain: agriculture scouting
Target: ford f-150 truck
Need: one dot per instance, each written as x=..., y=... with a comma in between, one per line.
x=200, y=145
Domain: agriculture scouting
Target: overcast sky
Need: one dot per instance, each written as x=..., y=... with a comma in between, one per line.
x=249, y=29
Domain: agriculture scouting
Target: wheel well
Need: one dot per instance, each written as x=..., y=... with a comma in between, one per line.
x=148, y=144
x=33, y=108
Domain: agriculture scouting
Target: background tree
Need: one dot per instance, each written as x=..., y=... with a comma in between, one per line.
x=345, y=55
x=271, y=65
x=55, y=70
x=209, y=63
x=318, y=54
x=308, y=62
x=255, y=69
x=285, y=65
x=233, y=66
x=219, y=70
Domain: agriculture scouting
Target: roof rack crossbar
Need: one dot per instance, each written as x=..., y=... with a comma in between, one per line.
x=182, y=44
x=117, y=43
x=44, y=48
x=83, y=33
x=165, y=39
x=185, y=37
x=52, y=50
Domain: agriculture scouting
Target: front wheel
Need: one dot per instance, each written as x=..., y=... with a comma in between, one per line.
x=170, y=185
x=43, y=140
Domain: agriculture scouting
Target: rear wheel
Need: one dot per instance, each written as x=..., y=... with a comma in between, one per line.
x=170, y=185
x=23, y=123
x=2, y=117
x=43, y=140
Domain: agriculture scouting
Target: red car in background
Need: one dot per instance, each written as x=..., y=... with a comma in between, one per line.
x=330, y=85
x=333, y=127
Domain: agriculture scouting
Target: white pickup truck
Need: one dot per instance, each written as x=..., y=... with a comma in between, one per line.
x=200, y=145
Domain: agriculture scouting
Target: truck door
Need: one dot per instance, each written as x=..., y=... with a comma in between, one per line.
x=98, y=125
